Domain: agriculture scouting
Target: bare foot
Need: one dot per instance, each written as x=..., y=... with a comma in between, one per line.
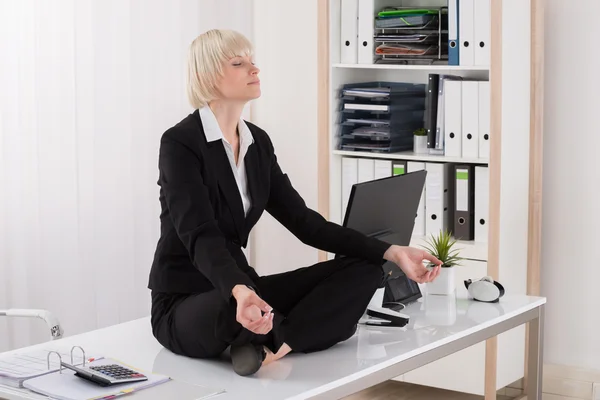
x=283, y=350
x=269, y=358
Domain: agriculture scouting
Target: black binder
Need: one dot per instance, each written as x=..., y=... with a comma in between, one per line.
x=431, y=108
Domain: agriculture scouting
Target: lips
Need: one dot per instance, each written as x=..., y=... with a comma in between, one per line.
x=254, y=83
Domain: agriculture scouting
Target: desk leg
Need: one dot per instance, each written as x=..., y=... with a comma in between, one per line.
x=535, y=357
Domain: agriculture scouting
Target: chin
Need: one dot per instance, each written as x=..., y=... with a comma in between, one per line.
x=254, y=95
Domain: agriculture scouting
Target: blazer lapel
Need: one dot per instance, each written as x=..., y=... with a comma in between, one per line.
x=227, y=183
x=253, y=166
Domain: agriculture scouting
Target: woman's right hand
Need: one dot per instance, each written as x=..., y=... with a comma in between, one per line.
x=249, y=310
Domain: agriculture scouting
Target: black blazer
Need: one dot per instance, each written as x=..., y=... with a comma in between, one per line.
x=203, y=226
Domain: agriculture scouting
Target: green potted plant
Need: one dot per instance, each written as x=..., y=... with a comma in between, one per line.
x=443, y=248
x=420, y=141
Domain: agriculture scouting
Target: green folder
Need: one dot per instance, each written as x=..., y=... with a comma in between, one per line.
x=407, y=12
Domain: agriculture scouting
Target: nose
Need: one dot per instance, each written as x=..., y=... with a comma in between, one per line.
x=255, y=70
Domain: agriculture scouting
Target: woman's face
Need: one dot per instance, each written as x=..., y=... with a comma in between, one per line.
x=240, y=80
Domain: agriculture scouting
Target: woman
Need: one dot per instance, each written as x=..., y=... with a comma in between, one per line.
x=217, y=174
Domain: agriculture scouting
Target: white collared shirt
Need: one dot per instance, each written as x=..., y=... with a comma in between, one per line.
x=213, y=132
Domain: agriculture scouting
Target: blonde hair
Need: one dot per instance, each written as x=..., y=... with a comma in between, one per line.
x=206, y=56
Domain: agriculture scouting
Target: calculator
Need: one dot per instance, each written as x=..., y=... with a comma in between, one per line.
x=107, y=375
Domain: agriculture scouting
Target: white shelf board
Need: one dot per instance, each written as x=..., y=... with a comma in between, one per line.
x=411, y=156
x=413, y=67
x=469, y=249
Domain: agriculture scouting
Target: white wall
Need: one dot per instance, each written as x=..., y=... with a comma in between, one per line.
x=285, y=37
x=87, y=87
x=570, y=270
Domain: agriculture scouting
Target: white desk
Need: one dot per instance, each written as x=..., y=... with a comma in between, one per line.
x=372, y=356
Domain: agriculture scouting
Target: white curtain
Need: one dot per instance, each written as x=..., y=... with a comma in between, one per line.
x=87, y=87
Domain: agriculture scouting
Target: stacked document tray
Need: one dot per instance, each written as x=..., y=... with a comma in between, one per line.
x=380, y=116
x=412, y=36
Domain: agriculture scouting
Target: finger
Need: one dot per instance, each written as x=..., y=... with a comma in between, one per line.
x=419, y=276
x=269, y=324
x=266, y=328
x=261, y=304
x=431, y=274
x=261, y=330
x=429, y=257
x=428, y=276
x=424, y=275
x=260, y=323
x=255, y=326
x=421, y=269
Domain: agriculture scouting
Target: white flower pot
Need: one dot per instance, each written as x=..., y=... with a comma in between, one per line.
x=420, y=144
x=444, y=284
x=440, y=310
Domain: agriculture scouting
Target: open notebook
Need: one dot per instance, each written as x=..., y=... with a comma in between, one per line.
x=16, y=367
x=67, y=386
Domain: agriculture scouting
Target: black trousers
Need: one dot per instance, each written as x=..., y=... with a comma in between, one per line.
x=314, y=308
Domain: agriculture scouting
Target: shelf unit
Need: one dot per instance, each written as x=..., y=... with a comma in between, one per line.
x=410, y=156
x=434, y=68
x=512, y=252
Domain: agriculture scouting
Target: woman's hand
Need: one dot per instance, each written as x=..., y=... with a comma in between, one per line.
x=249, y=310
x=410, y=261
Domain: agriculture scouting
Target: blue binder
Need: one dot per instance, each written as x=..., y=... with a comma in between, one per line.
x=453, y=39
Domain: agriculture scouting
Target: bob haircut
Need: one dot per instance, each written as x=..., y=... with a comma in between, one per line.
x=207, y=54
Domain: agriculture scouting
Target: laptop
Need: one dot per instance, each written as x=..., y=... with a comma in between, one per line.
x=386, y=209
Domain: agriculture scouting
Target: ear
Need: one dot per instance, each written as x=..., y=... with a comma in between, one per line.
x=468, y=283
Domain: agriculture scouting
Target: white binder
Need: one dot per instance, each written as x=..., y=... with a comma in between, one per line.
x=482, y=22
x=383, y=169
x=349, y=178
x=484, y=119
x=453, y=119
x=482, y=203
x=470, y=119
x=466, y=31
x=399, y=168
x=437, y=188
x=349, y=32
x=419, y=229
x=366, y=29
x=366, y=170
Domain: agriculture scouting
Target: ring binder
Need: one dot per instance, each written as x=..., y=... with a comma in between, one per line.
x=94, y=378
x=61, y=363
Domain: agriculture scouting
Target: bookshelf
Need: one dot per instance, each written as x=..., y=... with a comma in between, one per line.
x=434, y=68
x=512, y=251
x=410, y=156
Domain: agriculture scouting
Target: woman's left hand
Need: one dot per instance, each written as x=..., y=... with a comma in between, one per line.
x=410, y=261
